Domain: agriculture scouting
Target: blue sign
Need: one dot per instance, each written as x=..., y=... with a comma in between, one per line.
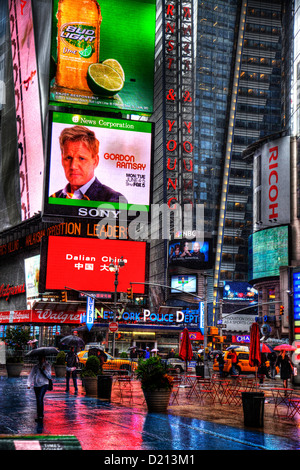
x=201, y=317
x=296, y=290
x=90, y=309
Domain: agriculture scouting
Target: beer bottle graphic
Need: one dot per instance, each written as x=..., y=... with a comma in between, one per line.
x=78, y=41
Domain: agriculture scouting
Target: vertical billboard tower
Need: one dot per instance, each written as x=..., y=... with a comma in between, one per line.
x=28, y=109
x=179, y=102
x=174, y=117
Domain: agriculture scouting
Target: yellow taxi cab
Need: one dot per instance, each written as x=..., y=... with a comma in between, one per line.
x=111, y=363
x=242, y=367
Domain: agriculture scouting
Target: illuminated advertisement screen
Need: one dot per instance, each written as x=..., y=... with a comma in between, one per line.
x=97, y=162
x=239, y=291
x=82, y=264
x=28, y=119
x=102, y=54
x=268, y=251
x=296, y=298
x=185, y=283
x=190, y=254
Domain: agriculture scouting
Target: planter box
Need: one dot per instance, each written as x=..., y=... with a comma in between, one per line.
x=14, y=369
x=157, y=400
x=90, y=385
x=60, y=371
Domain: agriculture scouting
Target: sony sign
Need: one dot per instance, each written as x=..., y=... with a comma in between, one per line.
x=272, y=184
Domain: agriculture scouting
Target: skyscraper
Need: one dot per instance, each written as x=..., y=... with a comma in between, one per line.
x=236, y=56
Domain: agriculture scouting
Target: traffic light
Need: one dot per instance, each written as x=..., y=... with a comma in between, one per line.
x=64, y=296
x=212, y=330
x=129, y=293
x=281, y=310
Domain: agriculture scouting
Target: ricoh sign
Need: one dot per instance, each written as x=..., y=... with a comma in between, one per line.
x=272, y=184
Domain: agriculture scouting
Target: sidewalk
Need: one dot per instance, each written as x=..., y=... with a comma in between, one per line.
x=125, y=424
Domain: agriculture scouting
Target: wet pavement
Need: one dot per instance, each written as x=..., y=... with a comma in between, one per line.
x=124, y=424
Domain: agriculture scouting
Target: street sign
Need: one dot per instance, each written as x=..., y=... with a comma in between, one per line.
x=113, y=327
x=90, y=309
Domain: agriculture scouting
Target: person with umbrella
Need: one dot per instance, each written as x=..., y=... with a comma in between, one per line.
x=40, y=375
x=285, y=364
x=272, y=356
x=72, y=340
x=221, y=362
x=72, y=363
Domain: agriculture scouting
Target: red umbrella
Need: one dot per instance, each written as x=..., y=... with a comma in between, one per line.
x=284, y=347
x=265, y=348
x=254, y=353
x=185, y=351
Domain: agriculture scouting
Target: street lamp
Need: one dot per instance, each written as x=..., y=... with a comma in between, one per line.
x=114, y=268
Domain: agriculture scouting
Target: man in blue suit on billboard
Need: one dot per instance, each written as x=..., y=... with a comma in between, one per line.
x=80, y=157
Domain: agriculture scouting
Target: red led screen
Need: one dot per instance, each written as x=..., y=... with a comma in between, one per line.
x=82, y=264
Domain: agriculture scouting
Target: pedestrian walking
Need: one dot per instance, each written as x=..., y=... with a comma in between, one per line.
x=286, y=367
x=40, y=375
x=262, y=369
x=221, y=362
x=71, y=369
x=133, y=353
x=234, y=361
x=272, y=358
x=147, y=355
x=171, y=354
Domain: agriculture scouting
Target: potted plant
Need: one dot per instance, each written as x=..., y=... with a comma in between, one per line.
x=60, y=365
x=156, y=383
x=89, y=375
x=16, y=339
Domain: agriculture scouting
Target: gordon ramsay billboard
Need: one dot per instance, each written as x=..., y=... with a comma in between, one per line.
x=82, y=264
x=97, y=162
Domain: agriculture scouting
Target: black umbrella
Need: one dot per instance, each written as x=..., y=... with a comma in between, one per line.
x=72, y=340
x=98, y=352
x=213, y=353
x=43, y=351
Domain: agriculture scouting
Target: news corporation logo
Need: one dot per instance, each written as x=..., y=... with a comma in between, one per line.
x=164, y=222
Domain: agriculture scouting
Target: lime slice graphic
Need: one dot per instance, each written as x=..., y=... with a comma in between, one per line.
x=114, y=64
x=87, y=52
x=103, y=80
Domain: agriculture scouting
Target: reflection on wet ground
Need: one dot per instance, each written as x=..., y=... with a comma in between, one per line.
x=126, y=424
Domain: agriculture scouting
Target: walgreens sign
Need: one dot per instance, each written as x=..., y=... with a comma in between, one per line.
x=39, y=316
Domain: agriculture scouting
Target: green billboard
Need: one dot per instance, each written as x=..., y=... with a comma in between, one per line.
x=102, y=54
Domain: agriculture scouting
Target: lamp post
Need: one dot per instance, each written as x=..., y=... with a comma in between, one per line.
x=114, y=268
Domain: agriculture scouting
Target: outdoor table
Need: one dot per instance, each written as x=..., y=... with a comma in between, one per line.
x=232, y=393
x=175, y=391
x=247, y=383
x=205, y=389
x=192, y=380
x=294, y=407
x=189, y=379
x=281, y=396
x=125, y=385
x=220, y=386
